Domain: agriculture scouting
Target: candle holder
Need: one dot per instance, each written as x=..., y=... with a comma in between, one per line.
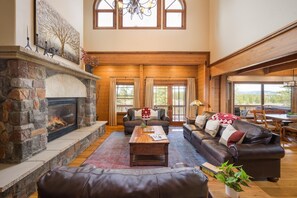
x=28, y=44
x=45, y=49
x=36, y=41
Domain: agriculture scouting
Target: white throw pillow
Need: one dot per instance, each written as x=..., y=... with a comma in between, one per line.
x=200, y=121
x=231, y=136
x=212, y=127
x=137, y=115
x=154, y=114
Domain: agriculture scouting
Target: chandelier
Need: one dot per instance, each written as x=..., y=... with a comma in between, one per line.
x=139, y=7
x=291, y=83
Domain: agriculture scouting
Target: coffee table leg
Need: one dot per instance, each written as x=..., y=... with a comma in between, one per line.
x=166, y=155
x=131, y=159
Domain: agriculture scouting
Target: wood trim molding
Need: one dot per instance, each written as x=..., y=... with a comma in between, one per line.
x=151, y=58
x=277, y=45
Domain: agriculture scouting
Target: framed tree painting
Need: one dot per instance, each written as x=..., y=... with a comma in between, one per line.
x=55, y=32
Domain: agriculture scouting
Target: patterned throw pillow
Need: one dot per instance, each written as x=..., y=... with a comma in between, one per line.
x=225, y=118
x=200, y=121
x=231, y=136
x=212, y=127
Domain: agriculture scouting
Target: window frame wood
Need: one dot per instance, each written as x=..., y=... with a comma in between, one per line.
x=97, y=11
x=183, y=15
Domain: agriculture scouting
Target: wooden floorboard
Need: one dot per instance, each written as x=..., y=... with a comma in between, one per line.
x=284, y=188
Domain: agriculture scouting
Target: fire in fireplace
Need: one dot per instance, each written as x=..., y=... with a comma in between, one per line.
x=62, y=117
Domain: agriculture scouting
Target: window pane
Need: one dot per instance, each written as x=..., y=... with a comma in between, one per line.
x=247, y=94
x=147, y=19
x=106, y=5
x=173, y=19
x=277, y=96
x=160, y=95
x=173, y=5
x=105, y=19
x=125, y=97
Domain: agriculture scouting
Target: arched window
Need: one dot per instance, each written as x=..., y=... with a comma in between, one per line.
x=104, y=14
x=174, y=14
x=145, y=16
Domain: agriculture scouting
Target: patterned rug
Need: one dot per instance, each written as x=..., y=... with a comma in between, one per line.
x=114, y=152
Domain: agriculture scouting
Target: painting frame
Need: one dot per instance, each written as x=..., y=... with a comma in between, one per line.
x=54, y=32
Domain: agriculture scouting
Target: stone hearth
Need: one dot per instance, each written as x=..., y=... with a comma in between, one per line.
x=27, y=79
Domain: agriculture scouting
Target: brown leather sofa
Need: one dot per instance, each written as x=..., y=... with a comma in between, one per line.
x=129, y=122
x=87, y=182
x=260, y=152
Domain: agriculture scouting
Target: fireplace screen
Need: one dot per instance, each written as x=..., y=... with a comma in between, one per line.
x=61, y=117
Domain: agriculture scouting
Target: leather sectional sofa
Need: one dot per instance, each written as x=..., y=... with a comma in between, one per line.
x=130, y=122
x=88, y=182
x=259, y=154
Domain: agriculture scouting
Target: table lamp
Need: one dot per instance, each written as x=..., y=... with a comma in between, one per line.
x=196, y=103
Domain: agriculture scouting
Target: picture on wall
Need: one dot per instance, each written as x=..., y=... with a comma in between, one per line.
x=59, y=34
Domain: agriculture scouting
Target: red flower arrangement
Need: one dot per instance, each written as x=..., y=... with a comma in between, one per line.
x=87, y=59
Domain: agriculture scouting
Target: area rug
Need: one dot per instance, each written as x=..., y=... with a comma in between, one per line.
x=114, y=152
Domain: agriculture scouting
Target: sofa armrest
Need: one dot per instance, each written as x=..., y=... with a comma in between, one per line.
x=165, y=118
x=126, y=118
x=275, y=139
x=256, y=151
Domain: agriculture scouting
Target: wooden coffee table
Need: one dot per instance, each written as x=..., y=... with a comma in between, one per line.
x=144, y=151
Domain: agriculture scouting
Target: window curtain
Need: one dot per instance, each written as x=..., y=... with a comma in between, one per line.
x=149, y=92
x=136, y=102
x=112, y=102
x=191, y=96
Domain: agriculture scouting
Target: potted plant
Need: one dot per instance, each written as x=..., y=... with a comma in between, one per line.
x=233, y=177
x=89, y=61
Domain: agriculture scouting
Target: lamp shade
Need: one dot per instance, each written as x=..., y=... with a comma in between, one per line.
x=196, y=103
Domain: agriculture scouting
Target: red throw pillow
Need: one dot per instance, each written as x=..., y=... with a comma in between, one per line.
x=225, y=118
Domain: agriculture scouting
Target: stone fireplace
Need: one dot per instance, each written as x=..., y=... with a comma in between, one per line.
x=33, y=88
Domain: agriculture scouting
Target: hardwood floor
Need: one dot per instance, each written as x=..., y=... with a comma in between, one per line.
x=284, y=188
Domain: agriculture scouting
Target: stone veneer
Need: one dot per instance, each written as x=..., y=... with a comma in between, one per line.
x=23, y=103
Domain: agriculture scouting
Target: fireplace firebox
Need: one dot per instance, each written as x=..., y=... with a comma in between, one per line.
x=62, y=117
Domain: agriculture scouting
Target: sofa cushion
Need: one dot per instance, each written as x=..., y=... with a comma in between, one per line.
x=231, y=136
x=216, y=150
x=212, y=127
x=200, y=121
x=253, y=134
x=157, y=123
x=191, y=127
x=208, y=114
x=133, y=123
x=201, y=135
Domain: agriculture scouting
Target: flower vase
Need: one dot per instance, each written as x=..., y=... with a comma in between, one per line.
x=89, y=68
x=230, y=192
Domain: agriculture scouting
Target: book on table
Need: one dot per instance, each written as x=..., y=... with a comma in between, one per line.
x=158, y=136
x=209, y=169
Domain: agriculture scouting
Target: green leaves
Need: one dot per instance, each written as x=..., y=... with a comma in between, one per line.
x=233, y=176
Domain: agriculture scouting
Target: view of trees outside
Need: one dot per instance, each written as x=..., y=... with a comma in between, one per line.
x=125, y=97
x=247, y=94
x=161, y=96
x=275, y=95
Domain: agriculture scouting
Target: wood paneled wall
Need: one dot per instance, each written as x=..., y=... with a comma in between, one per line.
x=165, y=73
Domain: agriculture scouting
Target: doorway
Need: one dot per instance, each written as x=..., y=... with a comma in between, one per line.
x=171, y=97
